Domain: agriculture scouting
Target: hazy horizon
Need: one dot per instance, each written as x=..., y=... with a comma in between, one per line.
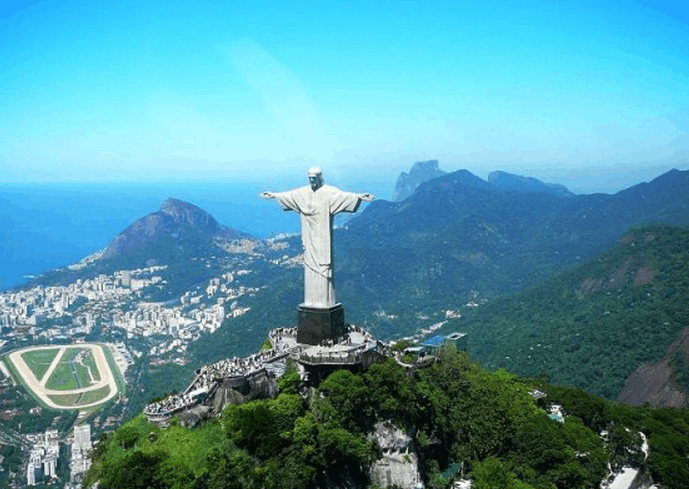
x=158, y=91
x=583, y=181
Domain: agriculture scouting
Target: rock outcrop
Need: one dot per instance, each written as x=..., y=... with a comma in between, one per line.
x=421, y=172
x=654, y=383
x=399, y=465
x=259, y=386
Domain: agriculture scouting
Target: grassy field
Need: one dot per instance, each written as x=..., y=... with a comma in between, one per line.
x=18, y=379
x=67, y=378
x=77, y=400
x=70, y=354
x=94, y=396
x=62, y=378
x=66, y=400
x=39, y=361
x=91, y=364
x=83, y=379
x=72, y=372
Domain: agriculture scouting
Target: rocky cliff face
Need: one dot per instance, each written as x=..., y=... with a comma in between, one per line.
x=421, y=172
x=399, y=465
x=259, y=386
x=655, y=383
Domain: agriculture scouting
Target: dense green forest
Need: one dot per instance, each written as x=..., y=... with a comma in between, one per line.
x=594, y=324
x=458, y=236
x=457, y=412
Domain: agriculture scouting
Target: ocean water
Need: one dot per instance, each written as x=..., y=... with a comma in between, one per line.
x=46, y=226
x=49, y=226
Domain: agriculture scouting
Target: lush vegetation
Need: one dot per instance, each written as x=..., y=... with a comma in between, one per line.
x=11, y=463
x=16, y=400
x=458, y=236
x=594, y=324
x=455, y=410
x=39, y=361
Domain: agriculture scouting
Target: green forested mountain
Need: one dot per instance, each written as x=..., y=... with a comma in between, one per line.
x=459, y=236
x=457, y=414
x=592, y=325
x=180, y=235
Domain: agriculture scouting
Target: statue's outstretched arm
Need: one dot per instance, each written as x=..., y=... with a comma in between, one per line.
x=268, y=195
x=367, y=197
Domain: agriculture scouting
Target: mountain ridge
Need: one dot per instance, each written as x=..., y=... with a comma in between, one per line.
x=510, y=181
x=430, y=237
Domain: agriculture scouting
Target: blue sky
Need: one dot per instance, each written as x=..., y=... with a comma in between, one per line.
x=594, y=95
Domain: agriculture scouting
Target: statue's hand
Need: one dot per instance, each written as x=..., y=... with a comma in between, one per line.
x=268, y=195
x=367, y=197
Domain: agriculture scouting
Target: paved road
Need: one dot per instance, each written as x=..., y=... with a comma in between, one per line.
x=38, y=387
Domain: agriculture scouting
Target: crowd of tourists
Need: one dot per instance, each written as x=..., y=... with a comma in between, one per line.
x=282, y=342
x=209, y=375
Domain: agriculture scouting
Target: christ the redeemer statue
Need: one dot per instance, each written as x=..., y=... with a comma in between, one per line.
x=320, y=315
x=318, y=203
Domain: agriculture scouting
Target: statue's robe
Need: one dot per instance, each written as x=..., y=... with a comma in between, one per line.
x=317, y=208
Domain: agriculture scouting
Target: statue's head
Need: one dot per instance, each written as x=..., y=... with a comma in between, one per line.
x=315, y=177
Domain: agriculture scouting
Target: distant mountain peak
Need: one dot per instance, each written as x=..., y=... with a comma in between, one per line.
x=175, y=221
x=519, y=183
x=185, y=213
x=420, y=172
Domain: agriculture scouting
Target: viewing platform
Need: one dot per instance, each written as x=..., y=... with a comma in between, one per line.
x=356, y=348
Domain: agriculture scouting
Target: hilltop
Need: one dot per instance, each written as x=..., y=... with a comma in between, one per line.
x=188, y=225
x=433, y=425
x=510, y=181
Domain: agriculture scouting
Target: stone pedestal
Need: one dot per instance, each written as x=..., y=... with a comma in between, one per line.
x=319, y=324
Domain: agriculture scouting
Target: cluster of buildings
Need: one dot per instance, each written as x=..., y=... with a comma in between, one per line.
x=27, y=310
x=156, y=319
x=81, y=446
x=45, y=452
x=43, y=457
x=113, y=301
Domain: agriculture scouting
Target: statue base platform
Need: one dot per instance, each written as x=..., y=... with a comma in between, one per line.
x=316, y=324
